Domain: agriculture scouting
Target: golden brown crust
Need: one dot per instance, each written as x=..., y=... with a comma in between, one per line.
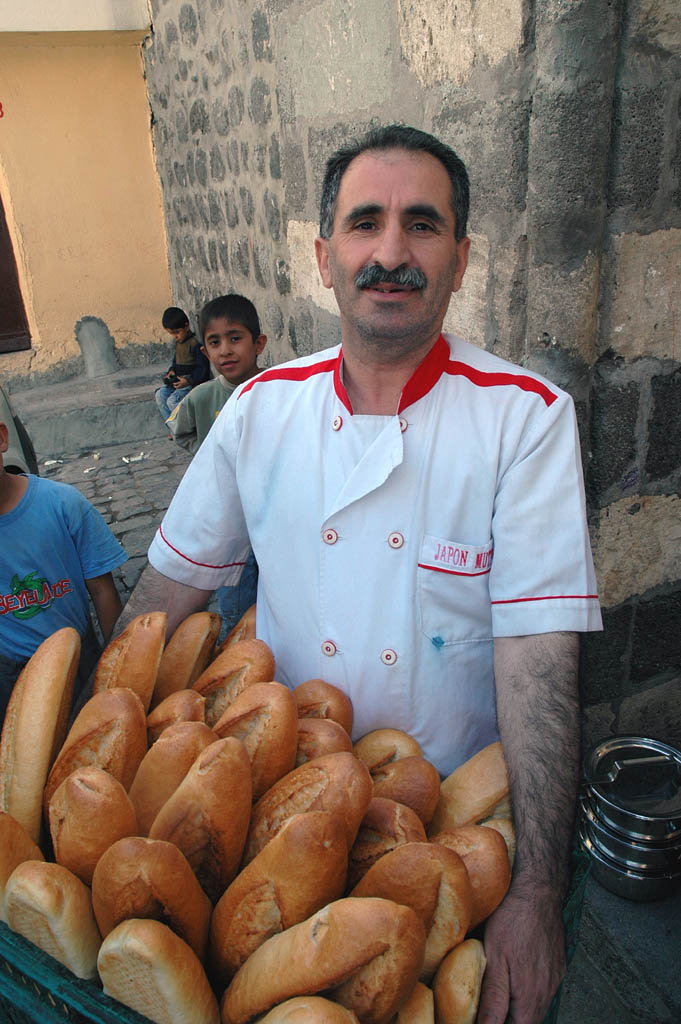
x=181, y=706
x=133, y=658
x=382, y=746
x=16, y=846
x=244, y=630
x=338, y=783
x=143, y=964
x=318, y=699
x=88, y=812
x=39, y=706
x=264, y=718
x=506, y=829
x=237, y=667
x=150, y=878
x=456, y=986
x=309, y=1010
x=320, y=736
x=110, y=732
x=473, y=791
x=486, y=858
x=164, y=766
x=412, y=781
x=207, y=815
x=187, y=653
x=385, y=826
x=418, y=1008
x=295, y=874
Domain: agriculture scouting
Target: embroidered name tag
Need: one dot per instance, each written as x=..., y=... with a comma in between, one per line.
x=460, y=559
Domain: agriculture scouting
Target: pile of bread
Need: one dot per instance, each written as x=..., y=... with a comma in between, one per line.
x=210, y=845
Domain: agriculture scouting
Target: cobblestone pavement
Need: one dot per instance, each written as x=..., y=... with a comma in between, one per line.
x=131, y=485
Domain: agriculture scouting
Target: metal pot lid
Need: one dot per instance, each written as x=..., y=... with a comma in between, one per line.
x=636, y=775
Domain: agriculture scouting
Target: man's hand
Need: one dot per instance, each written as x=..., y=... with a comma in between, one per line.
x=525, y=950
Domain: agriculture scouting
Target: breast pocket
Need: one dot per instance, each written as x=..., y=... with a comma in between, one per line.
x=453, y=590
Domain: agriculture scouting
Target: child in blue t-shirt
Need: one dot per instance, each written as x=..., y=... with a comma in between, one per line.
x=55, y=550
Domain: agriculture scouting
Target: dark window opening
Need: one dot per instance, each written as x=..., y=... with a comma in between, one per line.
x=14, y=333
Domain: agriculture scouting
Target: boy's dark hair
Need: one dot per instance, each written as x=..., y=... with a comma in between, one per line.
x=395, y=136
x=174, y=318
x=236, y=308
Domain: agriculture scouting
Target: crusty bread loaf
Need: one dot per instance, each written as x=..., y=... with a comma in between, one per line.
x=147, y=967
x=320, y=736
x=418, y=1008
x=240, y=665
x=110, y=732
x=207, y=815
x=133, y=658
x=409, y=780
x=319, y=699
x=434, y=883
x=477, y=789
x=88, y=812
x=385, y=825
x=309, y=1010
x=365, y=954
x=35, y=726
x=383, y=746
x=338, y=783
x=505, y=827
x=51, y=908
x=296, y=873
x=141, y=878
x=486, y=858
x=244, y=630
x=457, y=984
x=16, y=846
x=181, y=706
x=186, y=655
x=264, y=717
x=164, y=766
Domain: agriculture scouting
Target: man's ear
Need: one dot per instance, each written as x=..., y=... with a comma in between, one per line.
x=321, y=248
x=260, y=343
x=462, y=250
x=203, y=349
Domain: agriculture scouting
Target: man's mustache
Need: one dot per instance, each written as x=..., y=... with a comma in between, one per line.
x=402, y=276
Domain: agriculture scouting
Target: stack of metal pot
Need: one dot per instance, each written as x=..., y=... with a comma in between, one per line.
x=630, y=816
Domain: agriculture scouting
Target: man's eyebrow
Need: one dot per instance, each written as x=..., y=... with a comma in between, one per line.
x=363, y=210
x=426, y=210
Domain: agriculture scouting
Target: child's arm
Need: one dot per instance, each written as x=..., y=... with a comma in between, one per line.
x=106, y=600
x=182, y=425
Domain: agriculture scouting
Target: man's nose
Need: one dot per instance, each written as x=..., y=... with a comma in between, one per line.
x=392, y=247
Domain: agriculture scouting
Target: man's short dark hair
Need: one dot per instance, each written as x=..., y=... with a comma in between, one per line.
x=174, y=319
x=395, y=136
x=236, y=308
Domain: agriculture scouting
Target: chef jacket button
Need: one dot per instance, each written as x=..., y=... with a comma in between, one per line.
x=337, y=422
x=403, y=424
x=388, y=657
x=395, y=540
x=329, y=648
x=330, y=536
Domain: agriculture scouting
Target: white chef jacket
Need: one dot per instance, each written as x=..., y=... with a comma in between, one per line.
x=393, y=549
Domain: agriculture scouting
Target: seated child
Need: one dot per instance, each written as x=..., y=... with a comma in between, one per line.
x=230, y=333
x=189, y=366
x=55, y=549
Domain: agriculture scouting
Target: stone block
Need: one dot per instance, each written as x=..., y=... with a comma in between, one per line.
x=641, y=272
x=217, y=164
x=260, y=102
x=467, y=312
x=637, y=147
x=637, y=546
x=295, y=175
x=598, y=722
x=654, y=712
x=613, y=435
x=604, y=658
x=260, y=36
x=664, y=444
x=444, y=43
x=235, y=106
x=246, y=197
x=189, y=25
x=562, y=304
x=305, y=280
x=656, y=643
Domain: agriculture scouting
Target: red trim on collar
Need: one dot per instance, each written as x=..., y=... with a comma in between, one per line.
x=290, y=373
x=426, y=375
x=485, y=379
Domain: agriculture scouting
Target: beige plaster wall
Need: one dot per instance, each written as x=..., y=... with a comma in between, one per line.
x=81, y=192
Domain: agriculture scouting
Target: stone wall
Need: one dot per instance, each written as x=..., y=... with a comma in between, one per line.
x=567, y=115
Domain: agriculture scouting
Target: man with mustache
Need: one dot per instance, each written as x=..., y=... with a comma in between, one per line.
x=416, y=507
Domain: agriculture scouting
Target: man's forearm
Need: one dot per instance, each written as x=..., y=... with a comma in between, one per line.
x=155, y=592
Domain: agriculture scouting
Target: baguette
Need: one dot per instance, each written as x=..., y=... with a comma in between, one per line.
x=319, y=699
x=35, y=727
x=457, y=984
x=88, y=812
x=477, y=789
x=16, y=846
x=309, y=1010
x=188, y=652
x=163, y=768
x=133, y=658
x=207, y=815
x=240, y=665
x=51, y=908
x=382, y=746
x=264, y=718
x=486, y=858
x=365, y=954
x=110, y=732
x=144, y=965
x=418, y=1008
x=385, y=826
x=412, y=781
x=295, y=874
x=319, y=736
x=244, y=630
x=338, y=783
x=149, y=878
x=181, y=706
